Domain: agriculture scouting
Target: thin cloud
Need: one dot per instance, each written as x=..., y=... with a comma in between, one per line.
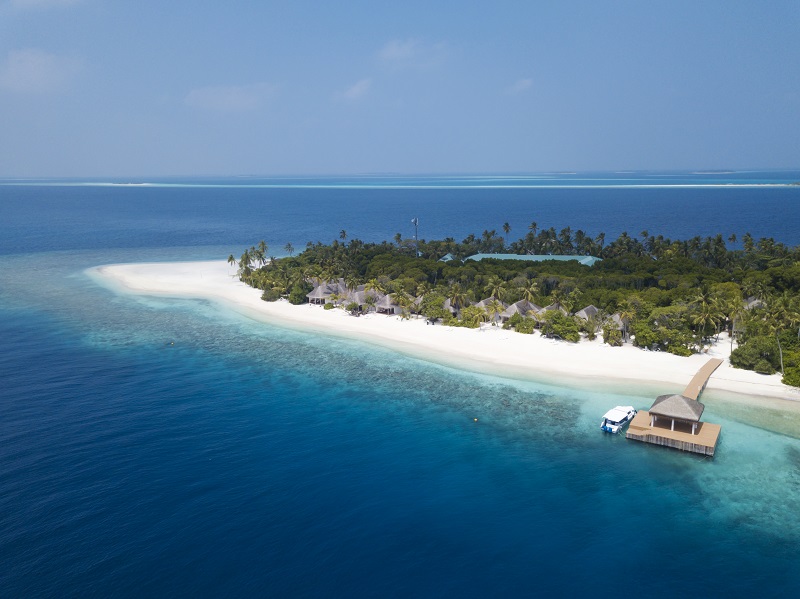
x=42, y=3
x=412, y=52
x=35, y=71
x=231, y=98
x=357, y=90
x=519, y=86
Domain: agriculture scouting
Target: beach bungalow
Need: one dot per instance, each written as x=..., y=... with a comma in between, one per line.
x=522, y=307
x=359, y=297
x=588, y=312
x=321, y=294
x=386, y=305
x=553, y=307
x=616, y=320
x=484, y=303
x=448, y=305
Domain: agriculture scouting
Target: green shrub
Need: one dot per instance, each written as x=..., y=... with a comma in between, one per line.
x=329, y=306
x=679, y=350
x=612, y=335
x=271, y=295
x=512, y=322
x=791, y=376
x=757, y=353
x=297, y=295
x=560, y=325
x=525, y=326
x=762, y=366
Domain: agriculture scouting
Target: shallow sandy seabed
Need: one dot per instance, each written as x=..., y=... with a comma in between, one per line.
x=490, y=350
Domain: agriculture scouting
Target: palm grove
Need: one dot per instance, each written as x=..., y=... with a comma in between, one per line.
x=666, y=295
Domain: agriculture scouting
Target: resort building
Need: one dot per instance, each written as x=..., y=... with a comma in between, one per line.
x=587, y=260
x=386, y=305
x=522, y=307
x=587, y=313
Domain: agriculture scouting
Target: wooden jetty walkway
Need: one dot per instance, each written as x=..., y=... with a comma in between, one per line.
x=698, y=382
x=674, y=420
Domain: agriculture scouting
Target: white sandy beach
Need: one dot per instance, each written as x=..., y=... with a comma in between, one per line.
x=490, y=350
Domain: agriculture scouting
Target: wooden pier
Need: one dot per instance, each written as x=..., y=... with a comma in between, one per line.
x=704, y=441
x=698, y=382
x=674, y=420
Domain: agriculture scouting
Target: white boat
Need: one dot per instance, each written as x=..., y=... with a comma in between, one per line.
x=616, y=418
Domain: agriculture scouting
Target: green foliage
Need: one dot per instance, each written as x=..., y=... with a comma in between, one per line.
x=298, y=294
x=671, y=294
x=559, y=325
x=272, y=295
x=612, y=335
x=758, y=353
x=352, y=307
x=525, y=325
x=792, y=376
x=432, y=307
x=328, y=306
x=472, y=316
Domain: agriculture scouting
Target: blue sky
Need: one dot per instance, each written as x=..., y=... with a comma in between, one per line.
x=137, y=88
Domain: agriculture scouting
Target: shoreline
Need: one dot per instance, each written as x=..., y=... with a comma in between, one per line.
x=489, y=350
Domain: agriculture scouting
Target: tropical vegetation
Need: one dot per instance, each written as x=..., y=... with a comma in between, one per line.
x=665, y=295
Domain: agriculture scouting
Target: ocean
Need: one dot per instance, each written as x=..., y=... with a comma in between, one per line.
x=166, y=447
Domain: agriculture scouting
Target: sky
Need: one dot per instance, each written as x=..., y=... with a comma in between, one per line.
x=92, y=88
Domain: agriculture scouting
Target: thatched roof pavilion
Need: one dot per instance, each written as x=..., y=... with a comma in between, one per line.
x=522, y=307
x=587, y=313
x=320, y=294
x=677, y=408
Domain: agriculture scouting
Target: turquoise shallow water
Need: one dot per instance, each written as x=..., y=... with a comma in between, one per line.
x=248, y=459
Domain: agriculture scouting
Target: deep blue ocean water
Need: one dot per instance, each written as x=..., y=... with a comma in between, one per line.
x=159, y=447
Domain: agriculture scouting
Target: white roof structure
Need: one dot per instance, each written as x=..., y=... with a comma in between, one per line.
x=618, y=413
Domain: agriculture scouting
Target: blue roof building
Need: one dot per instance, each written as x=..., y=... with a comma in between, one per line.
x=587, y=260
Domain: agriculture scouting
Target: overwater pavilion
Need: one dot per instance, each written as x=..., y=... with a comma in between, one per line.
x=674, y=420
x=676, y=408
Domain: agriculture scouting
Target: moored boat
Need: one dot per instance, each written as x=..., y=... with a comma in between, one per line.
x=616, y=418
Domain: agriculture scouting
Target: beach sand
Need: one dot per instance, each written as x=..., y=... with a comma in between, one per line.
x=490, y=350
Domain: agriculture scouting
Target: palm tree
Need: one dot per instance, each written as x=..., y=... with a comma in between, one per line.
x=705, y=313
x=533, y=227
x=600, y=240
x=458, y=297
x=231, y=260
x=289, y=248
x=404, y=300
x=245, y=263
x=370, y=300
x=493, y=308
x=506, y=228
x=732, y=239
x=627, y=313
x=530, y=290
x=495, y=287
x=375, y=286
x=262, y=252
x=343, y=235
x=748, y=243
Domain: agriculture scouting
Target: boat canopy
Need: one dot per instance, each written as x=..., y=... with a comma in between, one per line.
x=618, y=414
